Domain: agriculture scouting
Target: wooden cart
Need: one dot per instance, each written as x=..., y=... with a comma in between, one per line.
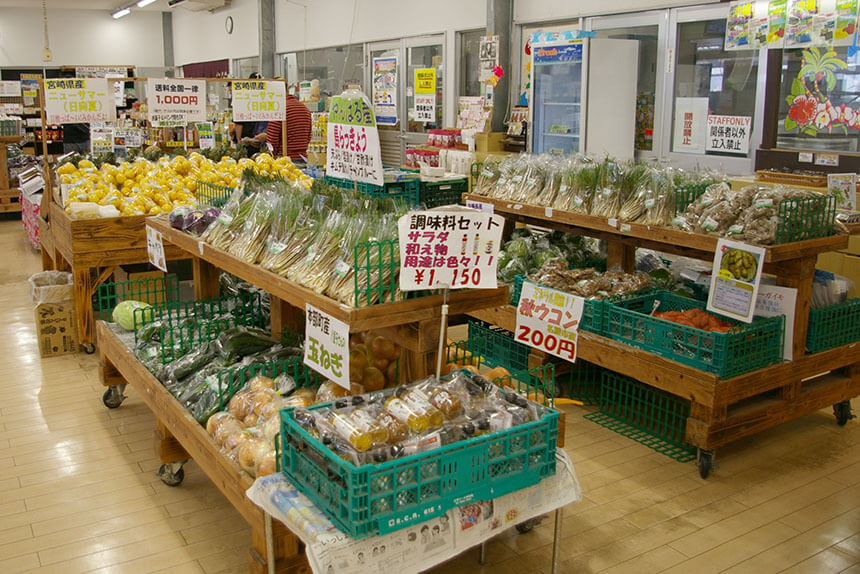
x=9, y=202
x=722, y=410
x=92, y=249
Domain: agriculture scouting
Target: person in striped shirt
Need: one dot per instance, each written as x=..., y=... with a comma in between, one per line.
x=298, y=131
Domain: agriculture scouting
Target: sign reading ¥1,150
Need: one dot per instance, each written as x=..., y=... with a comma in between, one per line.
x=78, y=101
x=259, y=101
x=353, y=141
x=172, y=103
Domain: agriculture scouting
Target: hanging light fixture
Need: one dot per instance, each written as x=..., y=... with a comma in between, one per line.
x=120, y=13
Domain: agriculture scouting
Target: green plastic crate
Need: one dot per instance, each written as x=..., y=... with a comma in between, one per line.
x=583, y=383
x=212, y=193
x=231, y=380
x=152, y=290
x=405, y=189
x=747, y=348
x=685, y=195
x=807, y=218
x=381, y=498
x=833, y=326
x=645, y=414
x=436, y=193
x=244, y=304
x=497, y=347
x=376, y=268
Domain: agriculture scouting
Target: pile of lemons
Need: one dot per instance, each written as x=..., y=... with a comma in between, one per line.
x=143, y=187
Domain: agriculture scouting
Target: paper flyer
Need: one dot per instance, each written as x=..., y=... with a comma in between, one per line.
x=385, y=90
x=800, y=23
x=735, y=279
x=691, y=125
x=737, y=25
x=776, y=15
x=773, y=301
x=846, y=22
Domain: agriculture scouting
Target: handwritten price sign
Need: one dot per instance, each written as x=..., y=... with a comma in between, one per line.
x=74, y=101
x=173, y=103
x=327, y=345
x=548, y=319
x=458, y=249
x=259, y=100
x=353, y=141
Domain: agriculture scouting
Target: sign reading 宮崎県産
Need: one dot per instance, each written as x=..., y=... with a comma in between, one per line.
x=259, y=101
x=78, y=100
x=353, y=141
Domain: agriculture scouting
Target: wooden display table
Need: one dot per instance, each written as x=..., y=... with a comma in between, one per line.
x=92, y=249
x=722, y=410
x=181, y=437
x=9, y=202
x=414, y=324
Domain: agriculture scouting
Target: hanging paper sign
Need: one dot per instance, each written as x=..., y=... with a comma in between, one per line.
x=259, y=101
x=425, y=95
x=488, y=57
x=172, y=103
x=548, y=320
x=100, y=72
x=799, y=26
x=353, y=140
x=729, y=134
x=10, y=89
x=327, y=345
x=155, y=248
x=385, y=90
x=455, y=248
x=101, y=140
x=205, y=135
x=758, y=28
x=846, y=22
x=735, y=279
x=425, y=81
x=846, y=185
x=78, y=100
x=30, y=87
x=777, y=11
x=118, y=90
x=691, y=125
x=305, y=91
x=773, y=301
x=737, y=25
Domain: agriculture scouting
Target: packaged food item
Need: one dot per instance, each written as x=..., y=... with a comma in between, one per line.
x=350, y=429
x=402, y=411
x=395, y=429
x=420, y=402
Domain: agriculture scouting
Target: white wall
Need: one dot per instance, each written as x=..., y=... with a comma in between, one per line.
x=201, y=36
x=547, y=10
x=330, y=22
x=80, y=37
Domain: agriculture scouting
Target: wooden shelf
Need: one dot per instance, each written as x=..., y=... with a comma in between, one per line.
x=659, y=238
x=358, y=318
x=118, y=365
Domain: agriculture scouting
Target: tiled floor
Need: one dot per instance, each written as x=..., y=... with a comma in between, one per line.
x=78, y=491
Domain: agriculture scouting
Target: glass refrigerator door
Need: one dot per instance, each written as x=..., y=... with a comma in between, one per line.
x=557, y=98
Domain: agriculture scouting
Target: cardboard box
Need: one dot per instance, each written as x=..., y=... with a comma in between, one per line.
x=853, y=245
x=55, y=329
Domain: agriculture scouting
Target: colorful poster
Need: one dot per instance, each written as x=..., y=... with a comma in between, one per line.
x=385, y=90
x=737, y=25
x=729, y=134
x=800, y=23
x=776, y=15
x=259, y=101
x=205, y=135
x=758, y=28
x=548, y=320
x=691, y=125
x=101, y=139
x=455, y=248
x=735, y=279
x=353, y=141
x=845, y=186
x=846, y=22
x=172, y=103
x=78, y=100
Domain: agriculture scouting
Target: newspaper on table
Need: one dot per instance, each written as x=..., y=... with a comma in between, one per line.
x=417, y=547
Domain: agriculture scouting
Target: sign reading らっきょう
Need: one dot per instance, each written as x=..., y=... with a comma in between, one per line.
x=78, y=100
x=172, y=103
x=353, y=141
x=259, y=100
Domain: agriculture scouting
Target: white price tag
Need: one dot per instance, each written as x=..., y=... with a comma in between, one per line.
x=480, y=206
x=612, y=222
x=548, y=319
x=455, y=248
x=548, y=212
x=625, y=228
x=155, y=248
x=327, y=345
x=200, y=245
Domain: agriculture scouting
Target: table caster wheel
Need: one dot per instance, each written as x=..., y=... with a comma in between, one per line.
x=705, y=462
x=113, y=396
x=89, y=348
x=842, y=412
x=170, y=475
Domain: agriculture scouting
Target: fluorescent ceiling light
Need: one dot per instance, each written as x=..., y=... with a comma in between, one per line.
x=120, y=13
x=143, y=3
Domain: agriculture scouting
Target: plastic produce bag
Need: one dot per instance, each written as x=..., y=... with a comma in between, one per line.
x=51, y=287
x=829, y=289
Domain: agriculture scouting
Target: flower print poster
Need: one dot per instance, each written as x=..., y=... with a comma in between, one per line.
x=811, y=110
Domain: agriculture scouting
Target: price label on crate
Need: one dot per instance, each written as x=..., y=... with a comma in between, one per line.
x=155, y=248
x=548, y=320
x=455, y=248
x=327, y=345
x=172, y=103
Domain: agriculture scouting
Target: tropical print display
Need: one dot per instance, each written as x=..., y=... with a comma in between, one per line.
x=812, y=107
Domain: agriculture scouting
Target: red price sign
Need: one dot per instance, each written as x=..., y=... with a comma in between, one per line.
x=454, y=248
x=548, y=319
